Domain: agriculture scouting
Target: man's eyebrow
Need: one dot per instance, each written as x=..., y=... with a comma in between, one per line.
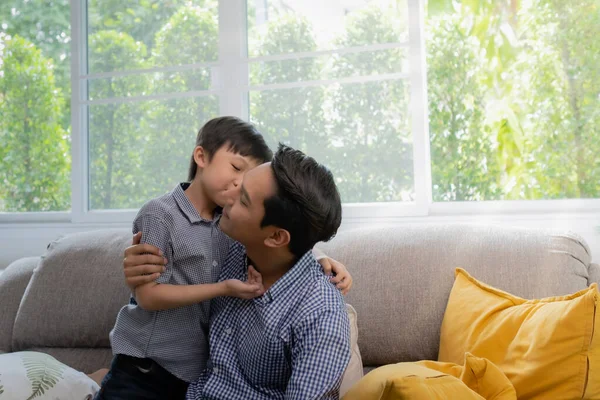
x=245, y=194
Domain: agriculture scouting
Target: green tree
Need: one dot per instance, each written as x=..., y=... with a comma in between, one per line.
x=34, y=155
x=170, y=127
x=114, y=129
x=560, y=57
x=463, y=150
x=371, y=126
x=534, y=69
x=142, y=20
x=48, y=26
x=293, y=116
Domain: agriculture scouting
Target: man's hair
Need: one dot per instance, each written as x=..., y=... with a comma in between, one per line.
x=240, y=137
x=306, y=202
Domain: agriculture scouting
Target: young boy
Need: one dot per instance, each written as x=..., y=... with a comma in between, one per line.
x=160, y=338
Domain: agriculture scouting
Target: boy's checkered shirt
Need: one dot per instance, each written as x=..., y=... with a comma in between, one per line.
x=195, y=249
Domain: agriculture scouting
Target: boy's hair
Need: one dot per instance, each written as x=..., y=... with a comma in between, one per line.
x=240, y=137
x=307, y=202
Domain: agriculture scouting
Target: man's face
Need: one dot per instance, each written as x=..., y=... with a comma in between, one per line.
x=243, y=214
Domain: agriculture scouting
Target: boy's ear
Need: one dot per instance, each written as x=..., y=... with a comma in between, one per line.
x=277, y=238
x=200, y=157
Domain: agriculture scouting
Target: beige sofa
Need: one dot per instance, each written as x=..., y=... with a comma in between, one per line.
x=65, y=302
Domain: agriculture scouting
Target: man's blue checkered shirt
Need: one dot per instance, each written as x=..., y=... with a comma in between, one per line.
x=291, y=343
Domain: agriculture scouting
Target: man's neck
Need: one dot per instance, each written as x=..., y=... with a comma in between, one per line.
x=271, y=263
x=196, y=195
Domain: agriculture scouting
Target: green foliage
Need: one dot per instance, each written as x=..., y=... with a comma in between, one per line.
x=292, y=116
x=513, y=99
x=46, y=24
x=371, y=126
x=114, y=129
x=169, y=127
x=34, y=156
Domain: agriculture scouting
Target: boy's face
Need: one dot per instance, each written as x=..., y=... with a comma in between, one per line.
x=223, y=173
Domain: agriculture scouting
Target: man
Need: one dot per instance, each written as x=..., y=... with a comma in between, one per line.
x=292, y=342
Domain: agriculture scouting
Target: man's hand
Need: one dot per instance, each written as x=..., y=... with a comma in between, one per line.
x=342, y=279
x=250, y=289
x=143, y=263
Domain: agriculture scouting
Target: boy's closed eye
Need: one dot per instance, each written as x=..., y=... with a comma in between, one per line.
x=236, y=168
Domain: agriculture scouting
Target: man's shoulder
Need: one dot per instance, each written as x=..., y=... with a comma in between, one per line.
x=320, y=293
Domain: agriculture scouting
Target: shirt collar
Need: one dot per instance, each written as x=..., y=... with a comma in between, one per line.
x=187, y=208
x=295, y=277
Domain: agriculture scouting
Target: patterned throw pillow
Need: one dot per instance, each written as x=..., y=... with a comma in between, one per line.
x=31, y=375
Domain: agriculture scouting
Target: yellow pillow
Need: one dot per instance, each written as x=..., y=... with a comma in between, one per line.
x=406, y=381
x=480, y=375
x=546, y=347
x=431, y=380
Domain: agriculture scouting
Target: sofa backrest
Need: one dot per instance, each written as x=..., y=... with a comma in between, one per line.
x=75, y=292
x=403, y=275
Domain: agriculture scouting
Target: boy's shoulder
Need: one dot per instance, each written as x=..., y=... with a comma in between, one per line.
x=160, y=207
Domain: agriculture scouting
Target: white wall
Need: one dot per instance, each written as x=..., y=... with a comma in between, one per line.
x=30, y=239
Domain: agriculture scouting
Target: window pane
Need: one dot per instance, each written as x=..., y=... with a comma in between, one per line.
x=361, y=131
x=35, y=160
x=513, y=99
x=368, y=63
x=323, y=25
x=150, y=84
x=142, y=150
x=125, y=35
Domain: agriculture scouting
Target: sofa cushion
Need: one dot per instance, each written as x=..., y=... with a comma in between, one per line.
x=403, y=275
x=86, y=360
x=475, y=378
x=75, y=293
x=545, y=347
x=13, y=282
x=354, y=371
x=29, y=375
x=594, y=273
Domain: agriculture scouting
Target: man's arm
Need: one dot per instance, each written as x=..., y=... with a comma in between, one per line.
x=320, y=355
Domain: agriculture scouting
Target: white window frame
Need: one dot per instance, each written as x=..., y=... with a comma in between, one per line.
x=233, y=93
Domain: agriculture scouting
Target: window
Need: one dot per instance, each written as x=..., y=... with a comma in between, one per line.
x=413, y=104
x=35, y=118
x=514, y=99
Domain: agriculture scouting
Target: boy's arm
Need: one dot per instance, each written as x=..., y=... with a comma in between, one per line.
x=160, y=295
x=342, y=279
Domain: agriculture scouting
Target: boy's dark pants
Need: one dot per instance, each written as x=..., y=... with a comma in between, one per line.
x=132, y=378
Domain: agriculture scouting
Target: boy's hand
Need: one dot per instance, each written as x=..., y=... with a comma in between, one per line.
x=342, y=279
x=143, y=263
x=250, y=289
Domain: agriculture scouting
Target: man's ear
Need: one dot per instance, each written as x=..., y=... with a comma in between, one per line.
x=277, y=238
x=200, y=157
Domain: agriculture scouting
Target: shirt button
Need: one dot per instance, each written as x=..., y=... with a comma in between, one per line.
x=215, y=263
x=215, y=370
x=228, y=331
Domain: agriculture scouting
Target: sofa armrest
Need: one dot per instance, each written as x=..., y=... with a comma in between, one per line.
x=13, y=282
x=594, y=273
